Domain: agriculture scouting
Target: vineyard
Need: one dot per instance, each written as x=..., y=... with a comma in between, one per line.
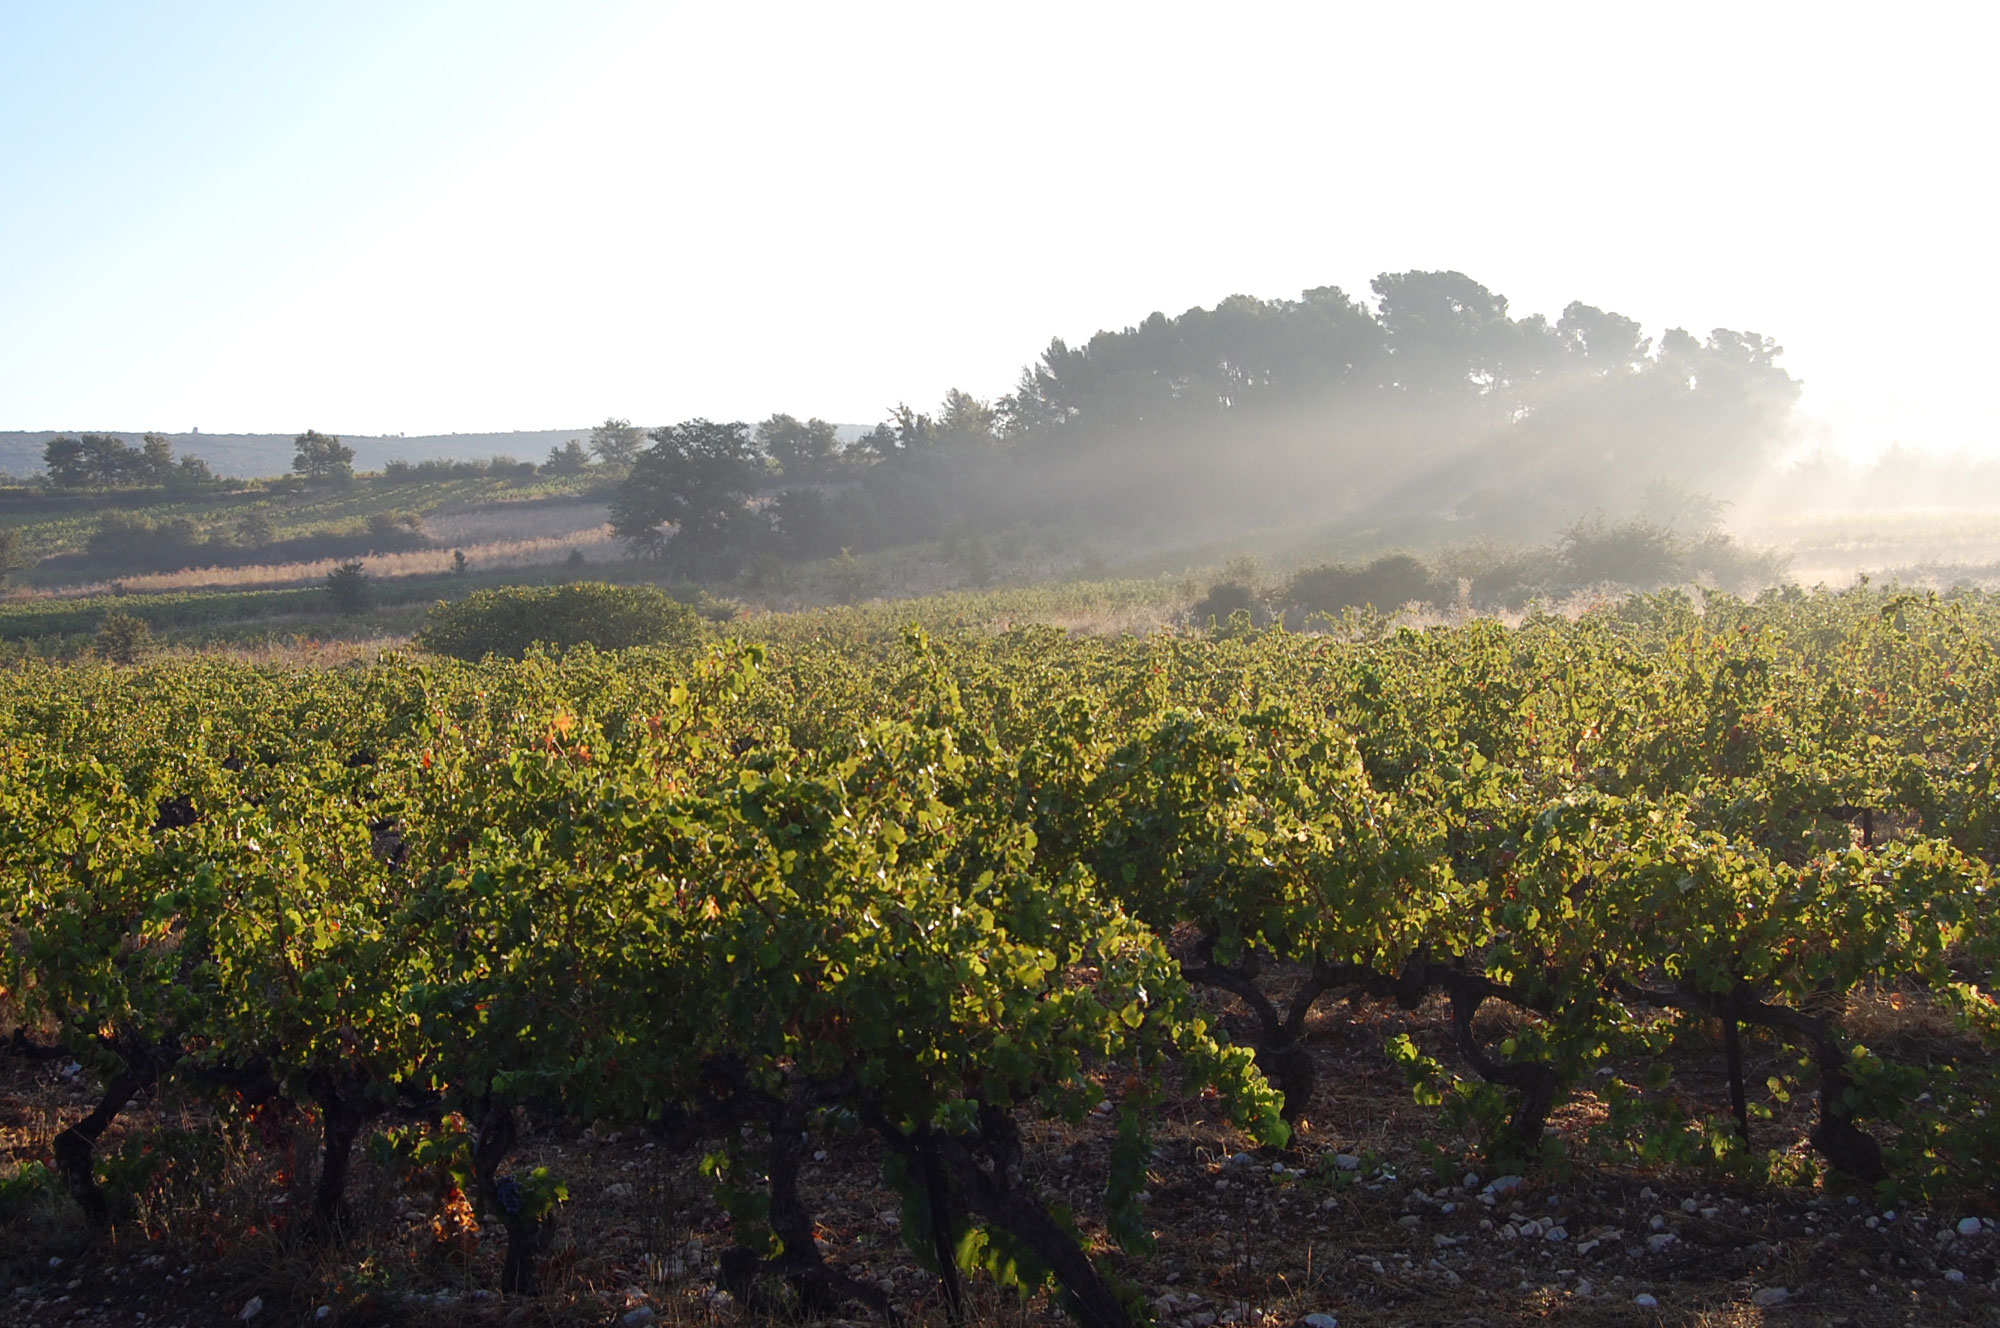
x=753, y=902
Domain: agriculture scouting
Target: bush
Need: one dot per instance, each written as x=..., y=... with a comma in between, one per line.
x=1639, y=553
x=1223, y=602
x=399, y=471
x=1387, y=584
x=125, y=540
x=394, y=527
x=1510, y=578
x=123, y=638
x=254, y=530
x=1635, y=555
x=1733, y=567
x=12, y=557
x=509, y=620
x=347, y=587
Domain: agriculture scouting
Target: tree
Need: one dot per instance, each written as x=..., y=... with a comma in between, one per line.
x=155, y=461
x=1453, y=337
x=190, y=472
x=804, y=450
x=254, y=529
x=111, y=462
x=697, y=477
x=966, y=421
x=94, y=460
x=322, y=458
x=809, y=525
x=915, y=431
x=617, y=442
x=880, y=442
x=569, y=459
x=123, y=638
x=103, y=461
x=67, y=466
x=1606, y=342
x=347, y=587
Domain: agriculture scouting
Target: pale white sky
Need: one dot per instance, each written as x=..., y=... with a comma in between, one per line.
x=467, y=215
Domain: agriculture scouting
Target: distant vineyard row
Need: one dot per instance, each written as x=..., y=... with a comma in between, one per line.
x=933, y=888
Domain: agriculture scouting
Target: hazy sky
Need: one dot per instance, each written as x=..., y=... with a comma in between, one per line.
x=470, y=214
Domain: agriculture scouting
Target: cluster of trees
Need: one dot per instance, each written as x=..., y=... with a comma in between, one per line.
x=1435, y=401
x=612, y=447
x=104, y=461
x=708, y=495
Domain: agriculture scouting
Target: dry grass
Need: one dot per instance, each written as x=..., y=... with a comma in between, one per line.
x=500, y=523
x=596, y=544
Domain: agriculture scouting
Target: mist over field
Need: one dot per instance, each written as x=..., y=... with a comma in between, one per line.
x=1470, y=454
x=1515, y=454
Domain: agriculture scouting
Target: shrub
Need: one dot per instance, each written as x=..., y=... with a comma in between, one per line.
x=254, y=530
x=399, y=471
x=125, y=540
x=1731, y=566
x=12, y=557
x=347, y=587
x=508, y=620
x=123, y=638
x=1510, y=578
x=976, y=560
x=394, y=526
x=1387, y=584
x=1639, y=553
x=1223, y=602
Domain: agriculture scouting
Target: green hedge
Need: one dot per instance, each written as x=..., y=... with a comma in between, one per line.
x=508, y=620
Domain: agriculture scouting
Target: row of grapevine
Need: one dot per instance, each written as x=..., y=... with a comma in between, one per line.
x=932, y=888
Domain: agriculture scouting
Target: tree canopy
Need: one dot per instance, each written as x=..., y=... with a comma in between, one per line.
x=105, y=461
x=803, y=450
x=617, y=442
x=1431, y=400
x=697, y=478
x=322, y=458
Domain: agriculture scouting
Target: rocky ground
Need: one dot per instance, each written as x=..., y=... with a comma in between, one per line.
x=1360, y=1222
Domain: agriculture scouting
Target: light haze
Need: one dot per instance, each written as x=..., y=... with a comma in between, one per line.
x=385, y=217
